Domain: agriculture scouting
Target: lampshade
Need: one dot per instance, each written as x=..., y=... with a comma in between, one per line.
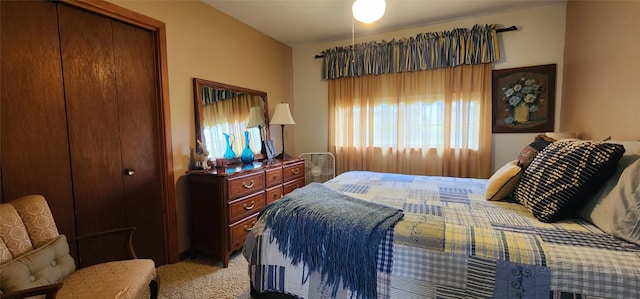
x=256, y=117
x=282, y=115
x=368, y=11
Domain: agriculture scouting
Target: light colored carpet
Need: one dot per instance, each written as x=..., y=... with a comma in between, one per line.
x=204, y=278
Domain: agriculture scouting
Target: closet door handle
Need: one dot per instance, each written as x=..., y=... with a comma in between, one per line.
x=129, y=172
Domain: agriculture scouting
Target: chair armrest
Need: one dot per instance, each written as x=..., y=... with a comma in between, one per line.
x=125, y=230
x=49, y=291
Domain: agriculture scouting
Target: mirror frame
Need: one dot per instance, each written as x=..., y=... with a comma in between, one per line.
x=198, y=84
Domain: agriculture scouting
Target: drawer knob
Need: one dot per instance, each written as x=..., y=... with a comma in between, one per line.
x=275, y=177
x=295, y=170
x=244, y=205
x=247, y=228
x=248, y=186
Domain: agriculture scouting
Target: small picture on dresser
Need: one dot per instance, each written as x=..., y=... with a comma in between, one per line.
x=268, y=149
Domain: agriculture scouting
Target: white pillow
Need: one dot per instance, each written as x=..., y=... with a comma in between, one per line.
x=562, y=135
x=631, y=147
x=615, y=208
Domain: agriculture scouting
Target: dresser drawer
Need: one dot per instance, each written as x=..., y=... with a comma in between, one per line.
x=274, y=194
x=239, y=232
x=246, y=206
x=292, y=185
x=245, y=185
x=274, y=176
x=293, y=171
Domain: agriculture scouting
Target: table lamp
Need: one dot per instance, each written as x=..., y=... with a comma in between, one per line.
x=282, y=116
x=256, y=119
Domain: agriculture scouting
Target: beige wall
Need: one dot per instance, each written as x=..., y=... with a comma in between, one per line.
x=204, y=43
x=602, y=69
x=539, y=40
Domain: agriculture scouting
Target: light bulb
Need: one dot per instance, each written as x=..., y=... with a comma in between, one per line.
x=368, y=11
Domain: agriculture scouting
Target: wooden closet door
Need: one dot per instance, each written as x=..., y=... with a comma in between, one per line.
x=112, y=105
x=33, y=143
x=138, y=111
x=86, y=43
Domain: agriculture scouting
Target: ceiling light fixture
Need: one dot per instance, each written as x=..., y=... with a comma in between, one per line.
x=368, y=11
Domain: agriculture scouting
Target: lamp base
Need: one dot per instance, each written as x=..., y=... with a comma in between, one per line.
x=283, y=156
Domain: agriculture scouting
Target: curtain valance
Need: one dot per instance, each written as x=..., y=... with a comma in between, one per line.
x=212, y=95
x=424, y=51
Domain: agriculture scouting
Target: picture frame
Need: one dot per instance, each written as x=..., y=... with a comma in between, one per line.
x=523, y=99
x=268, y=149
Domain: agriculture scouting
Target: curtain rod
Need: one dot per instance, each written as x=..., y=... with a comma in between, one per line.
x=512, y=28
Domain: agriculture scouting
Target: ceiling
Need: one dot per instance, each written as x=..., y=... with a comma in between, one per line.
x=301, y=21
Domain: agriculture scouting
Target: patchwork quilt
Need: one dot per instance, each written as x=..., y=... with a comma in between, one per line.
x=452, y=243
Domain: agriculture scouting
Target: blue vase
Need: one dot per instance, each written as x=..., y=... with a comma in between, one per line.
x=229, y=154
x=247, y=153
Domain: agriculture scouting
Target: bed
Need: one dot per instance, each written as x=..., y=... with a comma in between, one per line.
x=565, y=225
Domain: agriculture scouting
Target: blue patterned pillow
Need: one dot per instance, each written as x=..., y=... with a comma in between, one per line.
x=562, y=177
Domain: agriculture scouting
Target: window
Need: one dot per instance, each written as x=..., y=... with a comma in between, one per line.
x=416, y=125
x=432, y=122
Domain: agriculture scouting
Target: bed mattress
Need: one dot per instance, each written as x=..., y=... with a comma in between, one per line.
x=452, y=243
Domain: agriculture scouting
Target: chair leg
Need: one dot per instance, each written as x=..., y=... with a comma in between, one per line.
x=154, y=286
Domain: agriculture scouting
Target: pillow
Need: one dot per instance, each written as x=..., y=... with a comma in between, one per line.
x=563, y=175
x=615, y=208
x=631, y=147
x=562, y=135
x=46, y=265
x=530, y=151
x=504, y=181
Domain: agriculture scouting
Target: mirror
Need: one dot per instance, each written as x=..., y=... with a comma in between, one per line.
x=221, y=110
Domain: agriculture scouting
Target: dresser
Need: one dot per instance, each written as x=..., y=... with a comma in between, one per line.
x=225, y=202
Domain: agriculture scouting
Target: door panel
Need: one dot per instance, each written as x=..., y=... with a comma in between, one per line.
x=138, y=111
x=34, y=150
x=94, y=137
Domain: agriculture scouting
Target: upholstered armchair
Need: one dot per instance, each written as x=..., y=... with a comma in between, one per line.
x=35, y=260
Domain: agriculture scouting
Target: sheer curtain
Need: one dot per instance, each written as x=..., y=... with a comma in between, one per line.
x=221, y=117
x=428, y=122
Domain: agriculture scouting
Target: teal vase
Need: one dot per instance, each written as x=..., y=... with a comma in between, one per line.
x=229, y=154
x=247, y=153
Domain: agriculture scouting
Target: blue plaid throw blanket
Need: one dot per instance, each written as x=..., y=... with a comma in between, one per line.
x=325, y=229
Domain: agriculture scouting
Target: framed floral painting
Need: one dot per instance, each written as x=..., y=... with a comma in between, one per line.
x=524, y=99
